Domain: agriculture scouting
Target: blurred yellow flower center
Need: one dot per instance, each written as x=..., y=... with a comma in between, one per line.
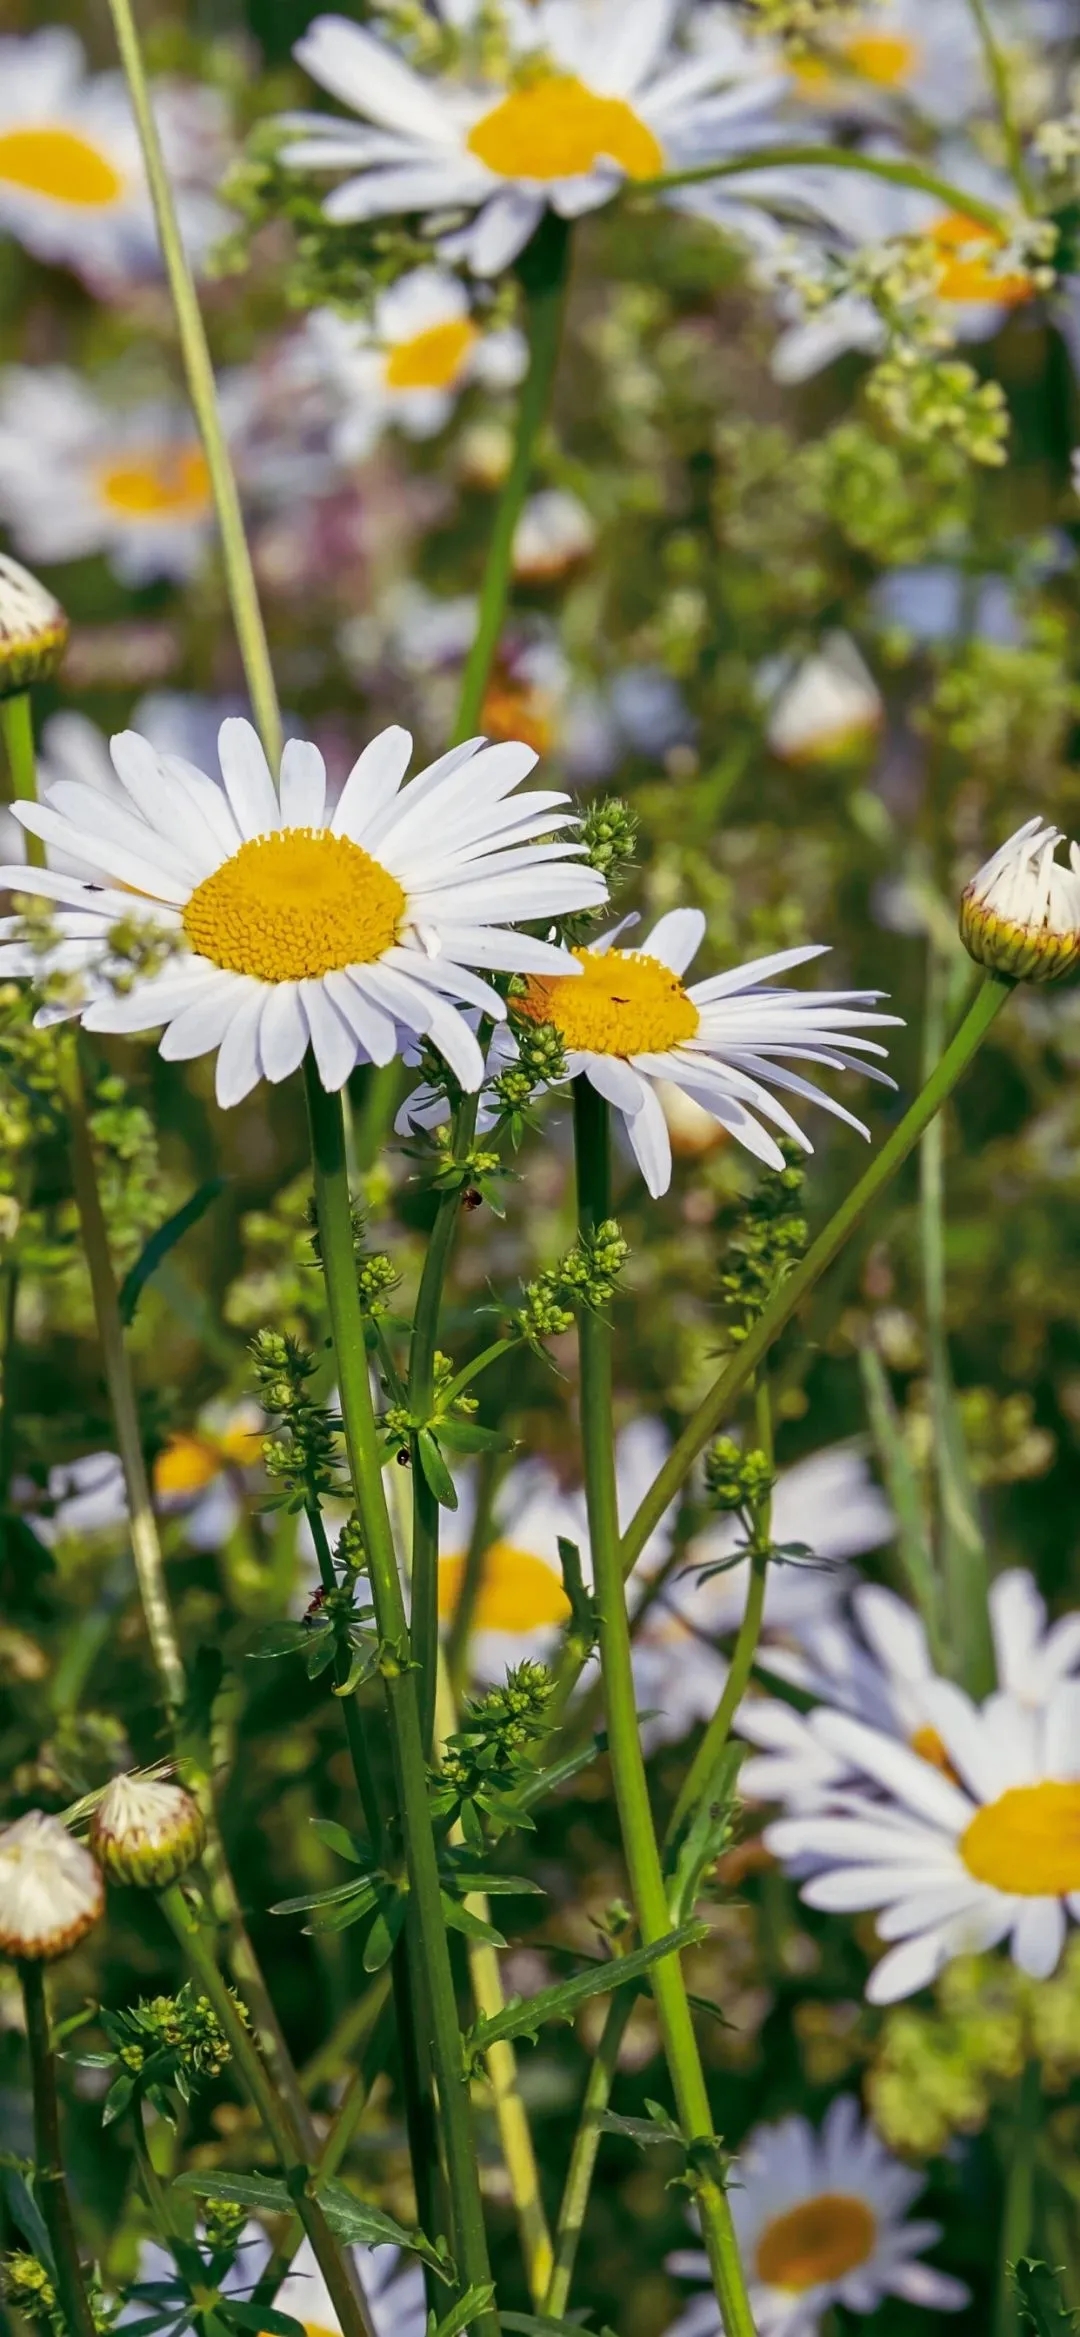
x=517, y=1591
x=966, y=249
x=556, y=128
x=929, y=1747
x=187, y=1464
x=171, y=484
x=624, y=1004
x=59, y=164
x=295, y=905
x=887, y=59
x=1028, y=1841
x=819, y=2240
x=513, y=710
x=432, y=360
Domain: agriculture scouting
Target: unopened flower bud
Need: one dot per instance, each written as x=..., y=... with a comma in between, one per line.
x=146, y=1832
x=1020, y=915
x=51, y=1893
x=33, y=629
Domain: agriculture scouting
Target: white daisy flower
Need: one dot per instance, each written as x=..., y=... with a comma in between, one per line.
x=292, y=926
x=895, y=53
x=1020, y=913
x=85, y=1496
x=201, y=1473
x=409, y=361
x=829, y=1502
x=879, y=1668
x=72, y=185
x=826, y=707
x=953, y=1863
x=630, y=1023
x=521, y=1607
x=78, y=476
x=820, y=2216
x=596, y=95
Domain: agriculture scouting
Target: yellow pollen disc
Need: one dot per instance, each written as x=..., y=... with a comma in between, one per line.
x=929, y=1747
x=885, y=58
x=624, y=1004
x=1028, y=1841
x=819, y=2240
x=187, y=1466
x=60, y=165
x=172, y=484
x=510, y=712
x=314, y=2329
x=556, y=128
x=966, y=249
x=434, y=359
x=295, y=905
x=517, y=1591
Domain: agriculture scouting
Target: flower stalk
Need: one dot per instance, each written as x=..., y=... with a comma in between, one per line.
x=48, y=2156
x=794, y=156
x=17, y=725
x=627, y=1761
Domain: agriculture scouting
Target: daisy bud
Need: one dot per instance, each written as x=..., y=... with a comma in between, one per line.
x=146, y=1832
x=51, y=1893
x=33, y=629
x=1020, y=915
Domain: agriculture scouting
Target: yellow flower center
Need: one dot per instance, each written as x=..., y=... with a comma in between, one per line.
x=185, y=1467
x=819, y=2240
x=434, y=359
x=60, y=165
x=296, y=904
x=624, y=1004
x=965, y=250
x=1028, y=1841
x=887, y=59
x=515, y=711
x=173, y=483
x=517, y=1591
x=556, y=128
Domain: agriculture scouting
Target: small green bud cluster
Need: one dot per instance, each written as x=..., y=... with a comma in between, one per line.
x=444, y=1375
x=797, y=22
x=923, y=398
x=1057, y=144
x=585, y=1277
x=138, y=950
x=304, y=1456
x=545, y=1313
x=609, y=833
x=27, y=2286
x=769, y=1242
x=376, y=1277
x=224, y=2223
x=735, y=1479
x=350, y=1552
x=161, y=2048
x=492, y=1755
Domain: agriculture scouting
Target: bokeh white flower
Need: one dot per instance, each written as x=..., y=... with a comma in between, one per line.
x=407, y=363
x=51, y=1893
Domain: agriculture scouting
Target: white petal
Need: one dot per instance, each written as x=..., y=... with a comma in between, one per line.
x=614, y=1079
x=332, y=1036
x=372, y=784
x=677, y=939
x=239, y=1064
x=366, y=75
x=246, y=773
x=374, y=1028
x=908, y=1968
x=145, y=876
x=303, y=784
x=1038, y=1937
x=168, y=811
x=203, y=1024
x=283, y=1031
x=649, y=1140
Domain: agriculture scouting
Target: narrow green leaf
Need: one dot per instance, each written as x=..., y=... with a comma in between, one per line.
x=1040, y=2304
x=165, y=1239
x=467, y=2308
x=354, y=2221
x=25, y=2212
x=338, y=1838
x=437, y=1475
x=328, y=1898
x=265, y=2193
x=459, y=1918
x=706, y=1833
x=560, y=2003
x=279, y=1639
x=266, y=2320
x=464, y=1436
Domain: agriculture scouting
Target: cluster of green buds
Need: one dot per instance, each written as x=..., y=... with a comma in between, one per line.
x=798, y=22
x=33, y=630
x=923, y=397
x=27, y=2286
x=303, y=1456
x=350, y=1553
x=329, y=266
x=585, y=1277
x=609, y=832
x=160, y=2048
x=488, y=1760
x=540, y=1063
x=138, y=951
x=737, y=1480
x=770, y=1240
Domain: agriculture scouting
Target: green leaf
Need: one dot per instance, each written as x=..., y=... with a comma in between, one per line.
x=26, y=2214
x=464, y=1436
x=459, y=1918
x=559, y=1773
x=538, y=2325
x=279, y=1639
x=706, y=1833
x=1039, y=2300
x=467, y=2308
x=164, y=1240
x=360, y=2225
x=267, y=2194
x=328, y=1898
x=560, y=2003
x=385, y=1931
x=437, y=1475
x=266, y=2320
x=338, y=1838
x=639, y=2130
x=117, y=2099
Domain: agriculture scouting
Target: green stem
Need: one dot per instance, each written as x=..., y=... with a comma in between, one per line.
x=714, y=1407
x=424, y=1606
x=1018, y=2205
x=543, y=270
x=17, y=724
x=365, y=1460
x=344, y=2291
x=473, y=1370
x=999, y=76
x=897, y=174
x=472, y=1575
x=627, y=1762
x=202, y=390
x=373, y=1093
x=701, y=1769
x=583, y=2154
x=48, y=2157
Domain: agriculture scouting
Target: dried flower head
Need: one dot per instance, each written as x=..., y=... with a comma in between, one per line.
x=51, y=1893
x=1020, y=914
x=146, y=1832
x=33, y=629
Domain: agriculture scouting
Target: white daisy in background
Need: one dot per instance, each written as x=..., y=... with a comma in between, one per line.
x=879, y=1668
x=72, y=186
x=952, y=1863
x=976, y=284
x=202, y=1474
x=78, y=476
x=630, y=1023
x=289, y=926
x=393, y=2286
x=830, y=1503
x=554, y=534
x=407, y=363
x=84, y=1496
x=595, y=96
x=895, y=54
x=825, y=708
x=820, y=2216
x=521, y=1606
